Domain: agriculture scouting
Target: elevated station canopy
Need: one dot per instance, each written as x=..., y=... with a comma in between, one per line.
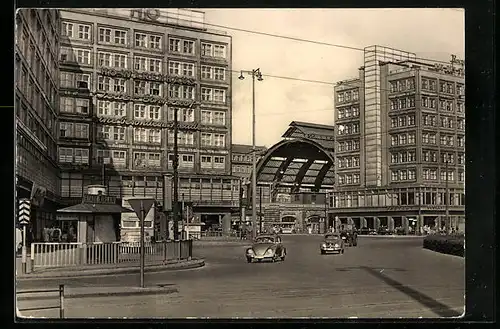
x=303, y=159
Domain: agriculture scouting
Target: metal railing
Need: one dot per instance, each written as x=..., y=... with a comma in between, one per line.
x=39, y=308
x=45, y=255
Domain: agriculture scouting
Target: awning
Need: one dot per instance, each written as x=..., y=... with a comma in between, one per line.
x=86, y=208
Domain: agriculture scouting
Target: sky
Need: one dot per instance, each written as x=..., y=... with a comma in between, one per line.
x=430, y=33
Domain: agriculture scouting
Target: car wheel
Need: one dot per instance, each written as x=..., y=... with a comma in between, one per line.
x=342, y=250
x=283, y=256
x=322, y=252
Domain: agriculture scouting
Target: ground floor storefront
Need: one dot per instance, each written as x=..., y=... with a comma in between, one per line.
x=397, y=222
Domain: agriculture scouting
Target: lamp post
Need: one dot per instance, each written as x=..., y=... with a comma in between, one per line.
x=255, y=74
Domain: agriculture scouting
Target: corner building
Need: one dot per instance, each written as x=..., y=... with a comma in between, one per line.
x=123, y=74
x=400, y=137
x=36, y=105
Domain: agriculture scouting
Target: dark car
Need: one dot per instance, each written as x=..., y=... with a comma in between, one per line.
x=383, y=230
x=350, y=238
x=332, y=243
x=266, y=247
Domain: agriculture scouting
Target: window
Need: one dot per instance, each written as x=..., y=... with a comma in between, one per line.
x=140, y=40
x=188, y=47
x=355, y=111
x=412, y=174
x=206, y=162
x=213, y=50
x=181, y=91
x=461, y=141
x=155, y=42
x=461, y=176
x=139, y=87
x=81, y=130
x=340, y=97
x=219, y=162
x=66, y=129
x=411, y=138
x=82, y=81
x=104, y=59
x=461, y=124
x=67, y=30
x=151, y=112
x=188, y=69
x=112, y=133
x=65, y=154
x=174, y=45
x=120, y=37
x=154, y=88
x=83, y=32
x=66, y=104
x=111, y=84
x=104, y=35
x=394, y=175
x=186, y=160
x=82, y=106
x=185, y=115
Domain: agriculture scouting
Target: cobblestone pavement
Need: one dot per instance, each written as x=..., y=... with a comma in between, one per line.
x=378, y=278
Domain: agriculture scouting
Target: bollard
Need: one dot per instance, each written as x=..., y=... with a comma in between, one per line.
x=61, y=301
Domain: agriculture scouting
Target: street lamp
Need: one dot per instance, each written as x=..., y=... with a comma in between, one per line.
x=255, y=74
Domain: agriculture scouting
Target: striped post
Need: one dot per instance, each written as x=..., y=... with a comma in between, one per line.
x=24, y=218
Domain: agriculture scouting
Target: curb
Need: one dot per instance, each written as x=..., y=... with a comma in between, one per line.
x=137, y=292
x=111, y=271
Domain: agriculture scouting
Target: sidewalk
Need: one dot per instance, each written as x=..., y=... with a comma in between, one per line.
x=390, y=236
x=110, y=269
x=93, y=292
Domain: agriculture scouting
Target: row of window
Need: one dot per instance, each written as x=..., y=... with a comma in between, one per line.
x=348, y=162
x=403, y=175
x=444, y=122
x=403, y=157
x=141, y=87
x=431, y=174
x=141, y=63
x=431, y=156
x=402, y=103
x=151, y=135
x=346, y=179
x=242, y=169
x=350, y=145
x=118, y=158
x=117, y=36
x=403, y=121
x=40, y=84
x=348, y=112
x=348, y=96
x=402, y=84
x=403, y=139
x=346, y=129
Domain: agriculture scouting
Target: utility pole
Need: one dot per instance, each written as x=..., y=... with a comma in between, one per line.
x=175, y=203
x=175, y=164
x=182, y=217
x=447, y=201
x=260, y=208
x=258, y=74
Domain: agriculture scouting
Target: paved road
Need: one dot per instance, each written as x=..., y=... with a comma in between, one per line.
x=381, y=277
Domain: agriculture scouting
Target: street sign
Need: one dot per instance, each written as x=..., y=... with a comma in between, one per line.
x=24, y=211
x=136, y=205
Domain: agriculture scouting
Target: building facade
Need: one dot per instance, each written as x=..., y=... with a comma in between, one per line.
x=36, y=104
x=400, y=141
x=123, y=74
x=242, y=160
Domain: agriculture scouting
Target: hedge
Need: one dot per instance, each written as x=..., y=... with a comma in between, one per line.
x=446, y=244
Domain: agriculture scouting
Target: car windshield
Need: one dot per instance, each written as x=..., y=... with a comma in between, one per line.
x=332, y=237
x=264, y=239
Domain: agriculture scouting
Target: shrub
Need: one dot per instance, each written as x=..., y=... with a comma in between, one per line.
x=446, y=244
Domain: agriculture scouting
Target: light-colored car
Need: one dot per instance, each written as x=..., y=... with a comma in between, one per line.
x=332, y=243
x=266, y=247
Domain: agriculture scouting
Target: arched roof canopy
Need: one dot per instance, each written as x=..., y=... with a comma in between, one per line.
x=296, y=163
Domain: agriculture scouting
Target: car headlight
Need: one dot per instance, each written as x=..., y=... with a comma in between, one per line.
x=323, y=245
x=250, y=252
x=269, y=252
x=336, y=245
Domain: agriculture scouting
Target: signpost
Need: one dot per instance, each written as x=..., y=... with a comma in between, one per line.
x=24, y=218
x=141, y=208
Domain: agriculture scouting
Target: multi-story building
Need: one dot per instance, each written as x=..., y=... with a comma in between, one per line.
x=242, y=160
x=123, y=74
x=36, y=105
x=399, y=144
